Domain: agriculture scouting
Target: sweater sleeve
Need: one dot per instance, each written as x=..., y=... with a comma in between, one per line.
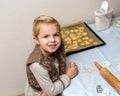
x=43, y=78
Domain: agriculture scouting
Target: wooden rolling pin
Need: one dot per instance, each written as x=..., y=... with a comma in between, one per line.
x=109, y=77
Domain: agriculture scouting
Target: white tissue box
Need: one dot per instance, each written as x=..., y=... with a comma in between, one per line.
x=103, y=19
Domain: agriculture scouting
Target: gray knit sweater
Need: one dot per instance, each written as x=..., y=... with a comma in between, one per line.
x=37, y=56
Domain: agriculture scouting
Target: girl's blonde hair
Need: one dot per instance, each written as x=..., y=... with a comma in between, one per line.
x=43, y=19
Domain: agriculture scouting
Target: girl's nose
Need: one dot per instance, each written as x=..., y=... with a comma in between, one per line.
x=52, y=39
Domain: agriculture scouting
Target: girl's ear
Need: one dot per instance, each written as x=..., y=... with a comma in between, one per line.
x=36, y=40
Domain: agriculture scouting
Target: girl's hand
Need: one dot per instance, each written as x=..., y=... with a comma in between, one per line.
x=42, y=93
x=72, y=70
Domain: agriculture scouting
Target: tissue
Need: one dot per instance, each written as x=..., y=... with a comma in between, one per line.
x=103, y=16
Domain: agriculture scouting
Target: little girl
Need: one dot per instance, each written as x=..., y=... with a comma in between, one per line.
x=46, y=70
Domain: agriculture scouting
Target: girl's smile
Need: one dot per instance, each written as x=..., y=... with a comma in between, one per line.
x=52, y=46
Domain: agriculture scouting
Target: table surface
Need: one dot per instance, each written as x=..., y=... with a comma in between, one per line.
x=84, y=84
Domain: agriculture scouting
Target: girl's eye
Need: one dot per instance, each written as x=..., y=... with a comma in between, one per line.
x=57, y=34
x=45, y=36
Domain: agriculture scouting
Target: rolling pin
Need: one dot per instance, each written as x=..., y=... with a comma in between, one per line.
x=109, y=77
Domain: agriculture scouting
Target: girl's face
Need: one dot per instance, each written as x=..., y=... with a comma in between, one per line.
x=49, y=38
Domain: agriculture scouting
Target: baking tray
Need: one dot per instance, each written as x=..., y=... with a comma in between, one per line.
x=79, y=37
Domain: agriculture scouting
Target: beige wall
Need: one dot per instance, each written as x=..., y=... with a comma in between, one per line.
x=16, y=17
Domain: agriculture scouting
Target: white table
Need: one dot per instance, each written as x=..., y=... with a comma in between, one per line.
x=89, y=77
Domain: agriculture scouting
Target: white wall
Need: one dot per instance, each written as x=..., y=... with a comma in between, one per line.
x=16, y=17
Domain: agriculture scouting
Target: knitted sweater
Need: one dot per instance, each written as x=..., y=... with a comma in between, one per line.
x=37, y=56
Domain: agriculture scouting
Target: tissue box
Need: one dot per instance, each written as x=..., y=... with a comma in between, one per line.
x=103, y=19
